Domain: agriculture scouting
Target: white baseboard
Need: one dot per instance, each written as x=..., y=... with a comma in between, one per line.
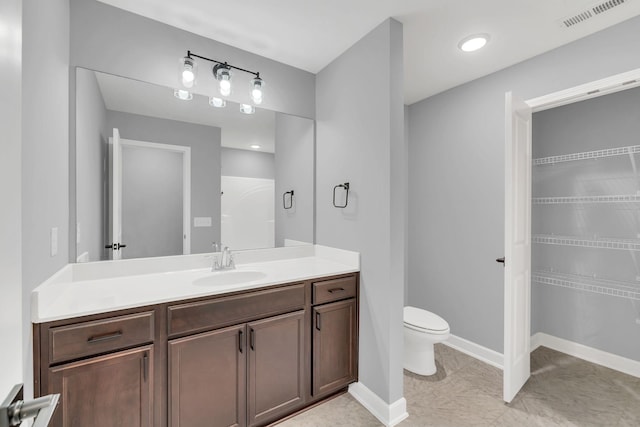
x=477, y=351
x=388, y=414
x=536, y=341
x=590, y=354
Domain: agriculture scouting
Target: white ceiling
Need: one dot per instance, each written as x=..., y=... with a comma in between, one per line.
x=309, y=34
x=238, y=130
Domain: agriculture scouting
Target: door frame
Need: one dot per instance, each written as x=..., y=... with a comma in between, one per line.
x=186, y=183
x=593, y=89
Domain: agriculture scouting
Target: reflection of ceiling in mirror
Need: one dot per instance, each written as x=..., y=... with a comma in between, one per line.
x=238, y=130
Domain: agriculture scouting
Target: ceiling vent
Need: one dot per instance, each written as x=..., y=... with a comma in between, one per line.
x=590, y=12
x=607, y=5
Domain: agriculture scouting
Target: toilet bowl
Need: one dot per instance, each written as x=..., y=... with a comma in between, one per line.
x=422, y=329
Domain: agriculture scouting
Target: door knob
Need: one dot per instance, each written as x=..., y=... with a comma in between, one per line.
x=115, y=246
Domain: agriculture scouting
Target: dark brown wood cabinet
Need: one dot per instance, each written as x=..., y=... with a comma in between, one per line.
x=276, y=370
x=207, y=379
x=335, y=343
x=246, y=358
x=115, y=390
x=254, y=370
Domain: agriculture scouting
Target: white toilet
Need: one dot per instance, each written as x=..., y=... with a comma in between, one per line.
x=422, y=329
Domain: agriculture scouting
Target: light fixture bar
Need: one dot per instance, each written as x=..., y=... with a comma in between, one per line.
x=226, y=64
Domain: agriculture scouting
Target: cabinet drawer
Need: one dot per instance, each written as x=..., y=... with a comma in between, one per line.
x=100, y=336
x=334, y=290
x=227, y=311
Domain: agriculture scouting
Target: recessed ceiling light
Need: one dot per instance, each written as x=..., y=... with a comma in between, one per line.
x=473, y=43
x=255, y=146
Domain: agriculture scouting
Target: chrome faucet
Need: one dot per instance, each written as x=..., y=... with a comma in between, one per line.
x=227, y=259
x=224, y=261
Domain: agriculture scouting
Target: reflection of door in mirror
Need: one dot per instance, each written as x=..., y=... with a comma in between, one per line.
x=150, y=199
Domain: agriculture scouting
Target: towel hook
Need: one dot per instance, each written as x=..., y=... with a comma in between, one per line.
x=346, y=198
x=284, y=197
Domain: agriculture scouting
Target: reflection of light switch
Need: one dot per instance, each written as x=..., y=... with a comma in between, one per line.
x=202, y=221
x=54, y=241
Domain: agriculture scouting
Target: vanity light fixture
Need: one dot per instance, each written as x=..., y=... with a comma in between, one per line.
x=182, y=94
x=247, y=109
x=217, y=102
x=188, y=72
x=473, y=43
x=222, y=72
x=256, y=90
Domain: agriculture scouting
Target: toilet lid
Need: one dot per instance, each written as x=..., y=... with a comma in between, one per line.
x=424, y=319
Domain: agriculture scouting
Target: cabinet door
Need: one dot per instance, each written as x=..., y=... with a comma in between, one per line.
x=335, y=344
x=207, y=379
x=105, y=391
x=276, y=380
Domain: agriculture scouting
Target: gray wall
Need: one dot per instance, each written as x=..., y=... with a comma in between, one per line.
x=205, y=164
x=152, y=202
x=359, y=140
x=456, y=179
x=45, y=155
x=294, y=171
x=11, y=323
x=114, y=41
x=92, y=138
x=604, y=322
x=250, y=164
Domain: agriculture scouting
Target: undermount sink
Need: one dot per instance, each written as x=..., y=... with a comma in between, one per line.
x=231, y=277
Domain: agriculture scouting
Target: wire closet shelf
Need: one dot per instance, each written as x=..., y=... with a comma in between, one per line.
x=593, y=284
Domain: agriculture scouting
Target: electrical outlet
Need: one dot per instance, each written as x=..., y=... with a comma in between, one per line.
x=54, y=241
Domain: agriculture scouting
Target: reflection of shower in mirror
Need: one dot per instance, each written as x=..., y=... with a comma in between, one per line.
x=248, y=212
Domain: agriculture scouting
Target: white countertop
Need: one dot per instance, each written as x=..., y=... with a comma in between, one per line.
x=91, y=288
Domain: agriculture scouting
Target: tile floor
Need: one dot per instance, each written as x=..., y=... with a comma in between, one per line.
x=562, y=391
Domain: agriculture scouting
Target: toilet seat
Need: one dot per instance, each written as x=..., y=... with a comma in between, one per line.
x=424, y=321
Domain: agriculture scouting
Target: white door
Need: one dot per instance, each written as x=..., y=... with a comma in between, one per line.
x=150, y=199
x=115, y=196
x=517, y=267
x=152, y=221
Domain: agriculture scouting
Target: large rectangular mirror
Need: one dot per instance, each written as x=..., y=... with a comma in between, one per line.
x=157, y=175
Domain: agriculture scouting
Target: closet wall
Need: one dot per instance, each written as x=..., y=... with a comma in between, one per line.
x=586, y=223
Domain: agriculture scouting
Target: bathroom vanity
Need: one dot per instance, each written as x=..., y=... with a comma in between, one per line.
x=240, y=348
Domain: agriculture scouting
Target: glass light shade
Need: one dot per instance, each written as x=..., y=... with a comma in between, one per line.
x=214, y=101
x=225, y=87
x=223, y=75
x=182, y=94
x=473, y=43
x=247, y=109
x=257, y=90
x=188, y=72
